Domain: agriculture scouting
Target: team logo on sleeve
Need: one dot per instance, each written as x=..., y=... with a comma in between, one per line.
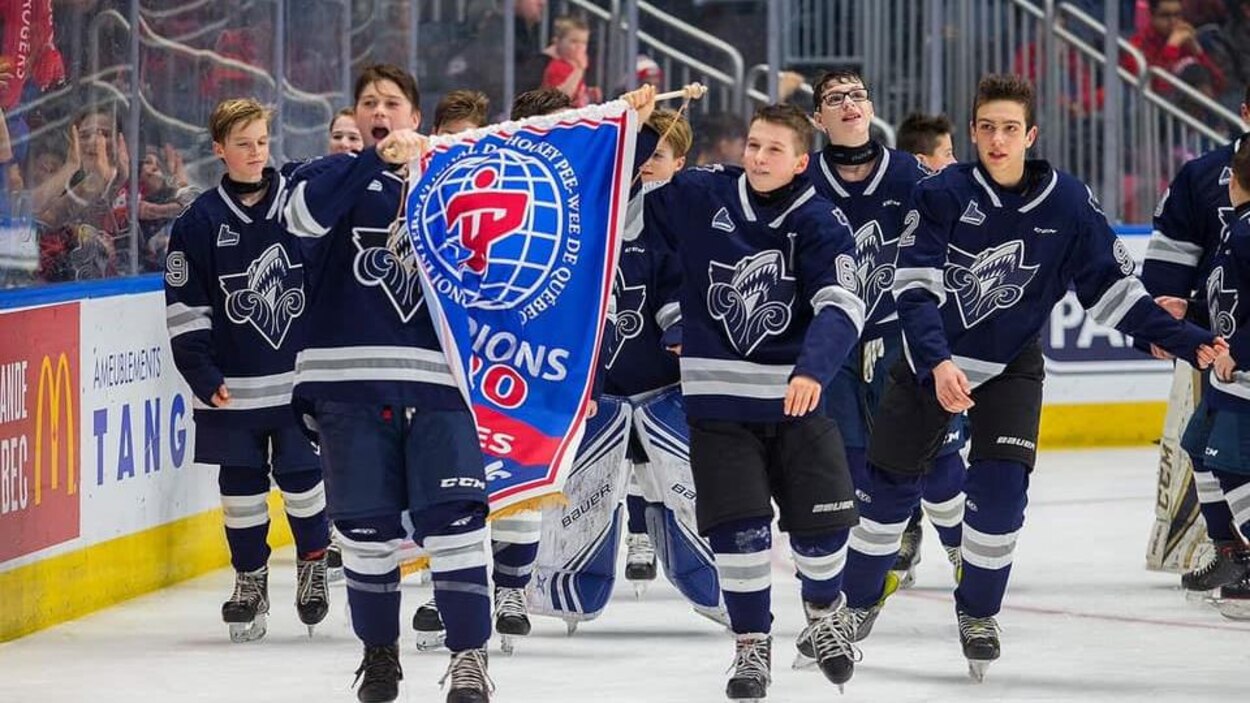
x=989, y=281
x=1222, y=303
x=269, y=295
x=630, y=302
x=1226, y=222
x=751, y=298
x=1226, y=176
x=1123, y=258
x=391, y=268
x=875, y=271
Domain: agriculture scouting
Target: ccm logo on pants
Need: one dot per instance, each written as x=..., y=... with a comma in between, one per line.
x=463, y=483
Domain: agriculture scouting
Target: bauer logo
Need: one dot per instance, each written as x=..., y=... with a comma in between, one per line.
x=40, y=466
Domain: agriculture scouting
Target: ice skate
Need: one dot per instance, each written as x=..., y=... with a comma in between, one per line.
x=956, y=559
x=908, y=556
x=979, y=639
x=312, y=592
x=639, y=562
x=1234, y=600
x=751, y=668
x=379, y=675
x=248, y=608
x=470, y=682
x=862, y=619
x=334, y=563
x=1227, y=565
x=428, y=625
x=829, y=641
x=511, y=617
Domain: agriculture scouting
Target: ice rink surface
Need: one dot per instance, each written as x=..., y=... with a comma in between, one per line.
x=1083, y=621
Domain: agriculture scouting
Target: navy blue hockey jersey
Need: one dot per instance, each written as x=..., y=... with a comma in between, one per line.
x=767, y=291
x=978, y=277
x=1228, y=301
x=370, y=335
x=236, y=305
x=637, y=360
x=1190, y=222
x=875, y=207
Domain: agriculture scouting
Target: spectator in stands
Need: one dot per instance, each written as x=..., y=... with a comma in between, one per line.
x=1230, y=48
x=482, y=61
x=344, y=134
x=27, y=50
x=1167, y=41
x=721, y=138
x=461, y=110
x=570, y=59
x=164, y=192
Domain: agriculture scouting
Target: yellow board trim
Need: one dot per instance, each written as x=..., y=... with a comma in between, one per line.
x=68, y=586
x=1101, y=425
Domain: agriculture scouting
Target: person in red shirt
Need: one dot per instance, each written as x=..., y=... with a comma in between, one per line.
x=27, y=49
x=1168, y=41
x=566, y=72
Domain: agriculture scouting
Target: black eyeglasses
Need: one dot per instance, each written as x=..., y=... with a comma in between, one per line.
x=838, y=98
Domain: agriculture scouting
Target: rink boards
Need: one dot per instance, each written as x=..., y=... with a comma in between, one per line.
x=100, y=500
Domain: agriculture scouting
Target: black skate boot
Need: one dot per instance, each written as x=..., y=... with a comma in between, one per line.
x=312, y=592
x=752, y=668
x=511, y=616
x=979, y=638
x=1227, y=565
x=908, y=555
x=639, y=561
x=469, y=680
x=830, y=640
x=861, y=618
x=1234, y=600
x=334, y=563
x=429, y=626
x=379, y=674
x=247, y=610
x=955, y=557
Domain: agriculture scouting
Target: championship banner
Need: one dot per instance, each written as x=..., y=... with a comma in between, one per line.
x=515, y=229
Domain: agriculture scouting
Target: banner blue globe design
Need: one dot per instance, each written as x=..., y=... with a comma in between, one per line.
x=495, y=223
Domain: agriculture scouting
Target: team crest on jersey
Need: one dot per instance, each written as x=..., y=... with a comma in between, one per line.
x=751, y=299
x=973, y=215
x=875, y=270
x=392, y=270
x=1222, y=303
x=722, y=221
x=269, y=295
x=989, y=281
x=630, y=302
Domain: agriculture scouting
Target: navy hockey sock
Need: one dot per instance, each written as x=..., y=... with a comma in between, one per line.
x=887, y=504
x=371, y=570
x=943, y=498
x=819, y=560
x=514, y=543
x=636, y=508
x=455, y=536
x=1211, y=502
x=304, y=499
x=997, y=493
x=742, y=550
x=244, y=490
x=1236, y=488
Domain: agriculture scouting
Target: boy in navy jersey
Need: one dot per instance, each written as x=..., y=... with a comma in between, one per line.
x=1191, y=222
x=769, y=311
x=236, y=303
x=1218, y=434
x=395, y=432
x=996, y=244
x=871, y=184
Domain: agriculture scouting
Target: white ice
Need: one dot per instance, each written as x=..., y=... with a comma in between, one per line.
x=1083, y=621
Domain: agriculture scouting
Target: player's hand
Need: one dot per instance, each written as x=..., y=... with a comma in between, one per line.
x=221, y=398
x=675, y=349
x=953, y=390
x=1176, y=306
x=592, y=409
x=802, y=396
x=1160, y=353
x=1225, y=364
x=642, y=100
x=403, y=146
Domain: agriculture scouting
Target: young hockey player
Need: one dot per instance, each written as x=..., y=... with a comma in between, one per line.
x=769, y=307
x=236, y=308
x=1217, y=432
x=995, y=244
x=872, y=184
x=928, y=138
x=1190, y=224
x=394, y=429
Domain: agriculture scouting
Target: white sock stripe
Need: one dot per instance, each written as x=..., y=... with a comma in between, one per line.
x=306, y=504
x=370, y=558
x=434, y=543
x=823, y=567
x=948, y=513
x=518, y=571
x=1239, y=503
x=743, y=560
x=988, y=539
x=509, y=536
x=1208, y=487
x=744, y=573
x=244, y=502
x=245, y=512
x=987, y=551
x=872, y=527
x=875, y=538
x=234, y=522
x=470, y=556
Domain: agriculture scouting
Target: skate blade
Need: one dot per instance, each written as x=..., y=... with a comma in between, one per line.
x=248, y=631
x=977, y=669
x=428, y=641
x=803, y=662
x=507, y=644
x=334, y=576
x=1200, y=596
x=906, y=579
x=1238, y=609
x=570, y=627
